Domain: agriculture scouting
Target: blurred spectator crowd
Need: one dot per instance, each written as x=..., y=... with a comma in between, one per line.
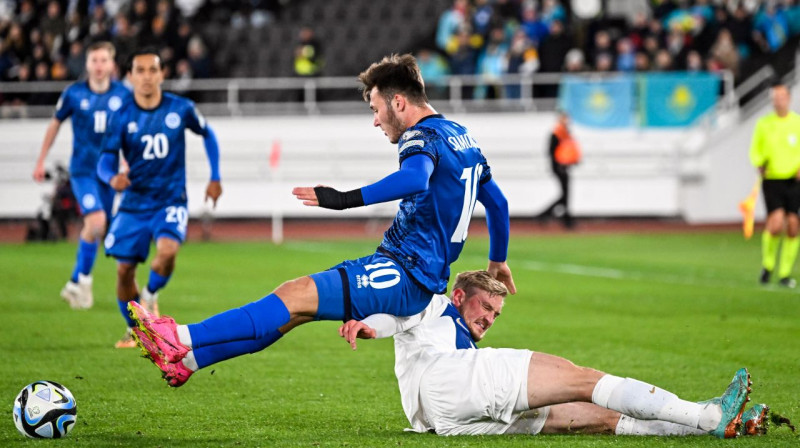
x=46, y=39
x=496, y=37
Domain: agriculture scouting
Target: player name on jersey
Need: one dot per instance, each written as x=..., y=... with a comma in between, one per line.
x=462, y=142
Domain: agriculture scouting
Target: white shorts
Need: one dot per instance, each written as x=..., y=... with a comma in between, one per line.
x=482, y=391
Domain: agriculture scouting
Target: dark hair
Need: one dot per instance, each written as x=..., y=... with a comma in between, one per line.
x=778, y=82
x=392, y=75
x=144, y=51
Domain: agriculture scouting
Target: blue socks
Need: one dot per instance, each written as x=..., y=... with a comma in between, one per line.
x=87, y=252
x=123, y=308
x=212, y=354
x=156, y=281
x=257, y=320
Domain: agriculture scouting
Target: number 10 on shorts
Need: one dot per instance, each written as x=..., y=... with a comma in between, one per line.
x=379, y=276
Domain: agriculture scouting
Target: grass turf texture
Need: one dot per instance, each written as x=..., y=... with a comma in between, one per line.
x=682, y=311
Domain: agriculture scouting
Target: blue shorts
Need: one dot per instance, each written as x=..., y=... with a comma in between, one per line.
x=130, y=234
x=92, y=194
x=355, y=289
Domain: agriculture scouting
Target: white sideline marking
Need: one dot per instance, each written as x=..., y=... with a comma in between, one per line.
x=618, y=274
x=575, y=269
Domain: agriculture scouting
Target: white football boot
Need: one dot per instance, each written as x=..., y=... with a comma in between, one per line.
x=71, y=293
x=85, y=285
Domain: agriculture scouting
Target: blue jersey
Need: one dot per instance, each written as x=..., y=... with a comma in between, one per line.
x=430, y=228
x=153, y=142
x=90, y=112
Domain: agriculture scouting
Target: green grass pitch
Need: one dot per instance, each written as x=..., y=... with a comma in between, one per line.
x=682, y=311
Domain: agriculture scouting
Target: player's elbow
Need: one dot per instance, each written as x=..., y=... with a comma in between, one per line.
x=494, y=202
x=418, y=185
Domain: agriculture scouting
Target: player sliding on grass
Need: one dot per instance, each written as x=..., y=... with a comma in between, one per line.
x=442, y=173
x=449, y=386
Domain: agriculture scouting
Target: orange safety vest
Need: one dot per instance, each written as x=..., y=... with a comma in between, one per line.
x=567, y=152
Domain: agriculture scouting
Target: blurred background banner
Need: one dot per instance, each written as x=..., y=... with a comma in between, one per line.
x=606, y=103
x=676, y=99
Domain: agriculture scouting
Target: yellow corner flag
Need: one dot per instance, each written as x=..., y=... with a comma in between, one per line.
x=748, y=209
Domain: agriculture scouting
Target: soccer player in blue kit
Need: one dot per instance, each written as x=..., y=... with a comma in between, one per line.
x=89, y=103
x=150, y=132
x=442, y=174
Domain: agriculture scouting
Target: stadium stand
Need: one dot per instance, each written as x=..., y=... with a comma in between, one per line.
x=45, y=40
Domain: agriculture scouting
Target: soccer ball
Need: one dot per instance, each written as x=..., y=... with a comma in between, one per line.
x=44, y=409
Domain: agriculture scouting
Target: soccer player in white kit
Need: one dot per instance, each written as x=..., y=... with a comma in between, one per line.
x=450, y=387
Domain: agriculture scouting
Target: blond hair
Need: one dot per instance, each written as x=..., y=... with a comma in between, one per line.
x=469, y=281
x=102, y=45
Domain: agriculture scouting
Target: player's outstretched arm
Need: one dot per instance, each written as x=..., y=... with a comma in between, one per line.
x=496, y=205
x=214, y=188
x=411, y=178
x=49, y=138
x=382, y=325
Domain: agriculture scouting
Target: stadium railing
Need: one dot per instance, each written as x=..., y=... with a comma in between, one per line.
x=279, y=96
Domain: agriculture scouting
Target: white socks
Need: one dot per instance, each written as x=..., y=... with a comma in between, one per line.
x=190, y=362
x=647, y=402
x=184, y=336
x=634, y=427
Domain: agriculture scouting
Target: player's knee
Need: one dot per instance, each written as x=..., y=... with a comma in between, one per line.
x=97, y=231
x=164, y=264
x=584, y=381
x=299, y=295
x=792, y=225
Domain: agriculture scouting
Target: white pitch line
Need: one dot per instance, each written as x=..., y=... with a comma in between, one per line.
x=575, y=269
x=619, y=274
x=588, y=271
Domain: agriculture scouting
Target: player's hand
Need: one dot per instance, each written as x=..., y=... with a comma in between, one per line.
x=213, y=192
x=39, y=172
x=307, y=195
x=123, y=165
x=353, y=329
x=502, y=272
x=120, y=182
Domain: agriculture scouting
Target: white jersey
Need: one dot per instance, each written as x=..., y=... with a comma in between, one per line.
x=420, y=340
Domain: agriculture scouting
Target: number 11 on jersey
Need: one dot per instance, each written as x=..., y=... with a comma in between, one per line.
x=470, y=176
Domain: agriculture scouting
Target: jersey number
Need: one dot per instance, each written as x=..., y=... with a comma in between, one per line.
x=155, y=146
x=100, y=117
x=383, y=276
x=178, y=215
x=470, y=176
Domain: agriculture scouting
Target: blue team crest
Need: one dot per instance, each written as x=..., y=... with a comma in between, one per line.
x=132, y=127
x=109, y=241
x=84, y=104
x=114, y=103
x=173, y=120
x=88, y=201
